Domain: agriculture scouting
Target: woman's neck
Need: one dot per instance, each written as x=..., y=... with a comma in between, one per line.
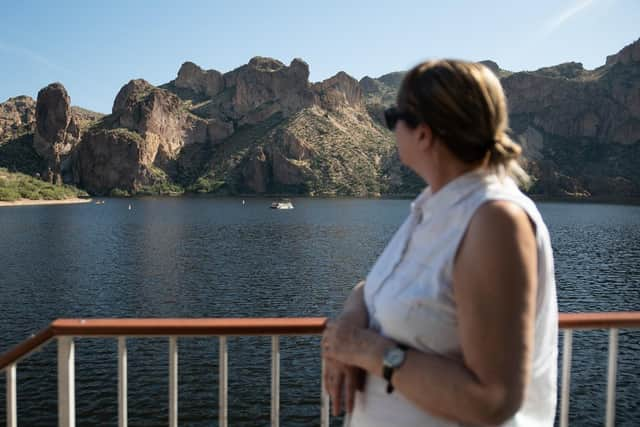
x=445, y=169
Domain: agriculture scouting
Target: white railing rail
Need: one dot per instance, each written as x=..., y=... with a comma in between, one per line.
x=65, y=330
x=584, y=321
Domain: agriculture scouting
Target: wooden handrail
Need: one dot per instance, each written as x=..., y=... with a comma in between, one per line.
x=26, y=347
x=247, y=326
x=164, y=327
x=620, y=320
x=168, y=327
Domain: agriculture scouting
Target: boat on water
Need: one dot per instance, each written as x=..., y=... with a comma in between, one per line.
x=282, y=204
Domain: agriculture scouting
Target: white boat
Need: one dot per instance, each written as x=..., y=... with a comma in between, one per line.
x=282, y=204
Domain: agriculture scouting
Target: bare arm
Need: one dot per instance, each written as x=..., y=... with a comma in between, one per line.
x=355, y=310
x=495, y=283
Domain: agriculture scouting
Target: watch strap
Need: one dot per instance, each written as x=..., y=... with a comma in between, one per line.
x=387, y=371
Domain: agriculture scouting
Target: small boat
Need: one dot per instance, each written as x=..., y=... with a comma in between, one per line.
x=282, y=204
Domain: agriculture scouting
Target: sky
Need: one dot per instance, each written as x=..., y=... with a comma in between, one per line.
x=94, y=48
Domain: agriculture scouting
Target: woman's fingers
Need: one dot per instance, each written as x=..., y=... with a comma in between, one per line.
x=350, y=386
x=334, y=381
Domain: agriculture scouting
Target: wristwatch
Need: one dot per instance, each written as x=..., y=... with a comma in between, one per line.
x=393, y=358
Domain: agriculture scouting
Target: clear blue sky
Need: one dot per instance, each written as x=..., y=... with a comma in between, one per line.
x=94, y=48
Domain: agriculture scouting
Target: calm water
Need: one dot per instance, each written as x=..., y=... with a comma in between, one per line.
x=199, y=257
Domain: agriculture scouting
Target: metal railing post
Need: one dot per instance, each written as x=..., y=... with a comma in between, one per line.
x=611, y=377
x=566, y=377
x=66, y=382
x=275, y=381
x=12, y=407
x=173, y=382
x=122, y=382
x=223, y=373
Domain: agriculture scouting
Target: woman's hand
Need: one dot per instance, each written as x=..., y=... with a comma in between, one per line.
x=341, y=382
x=339, y=340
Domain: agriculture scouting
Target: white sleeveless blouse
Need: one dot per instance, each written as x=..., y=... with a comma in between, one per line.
x=409, y=297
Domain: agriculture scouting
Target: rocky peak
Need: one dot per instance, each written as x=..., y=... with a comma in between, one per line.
x=266, y=86
x=57, y=130
x=299, y=69
x=261, y=63
x=146, y=109
x=492, y=65
x=191, y=76
x=369, y=85
x=131, y=93
x=393, y=79
x=339, y=90
x=629, y=54
x=16, y=115
x=567, y=70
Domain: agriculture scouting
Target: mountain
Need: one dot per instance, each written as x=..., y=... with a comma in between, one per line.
x=263, y=128
x=580, y=129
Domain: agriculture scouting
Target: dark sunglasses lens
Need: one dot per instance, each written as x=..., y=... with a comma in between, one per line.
x=391, y=117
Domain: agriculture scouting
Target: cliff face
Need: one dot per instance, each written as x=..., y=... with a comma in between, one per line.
x=264, y=128
x=17, y=116
x=580, y=129
x=261, y=128
x=37, y=137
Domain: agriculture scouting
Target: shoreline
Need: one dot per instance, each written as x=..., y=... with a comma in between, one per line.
x=28, y=202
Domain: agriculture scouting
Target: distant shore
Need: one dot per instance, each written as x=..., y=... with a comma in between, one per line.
x=28, y=202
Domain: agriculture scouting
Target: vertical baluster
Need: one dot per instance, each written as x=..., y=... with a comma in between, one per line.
x=173, y=382
x=122, y=382
x=12, y=411
x=324, y=398
x=611, y=380
x=566, y=377
x=223, y=416
x=66, y=383
x=275, y=381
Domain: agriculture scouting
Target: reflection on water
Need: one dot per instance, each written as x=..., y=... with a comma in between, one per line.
x=200, y=257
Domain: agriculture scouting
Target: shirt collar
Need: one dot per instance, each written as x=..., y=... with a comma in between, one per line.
x=452, y=192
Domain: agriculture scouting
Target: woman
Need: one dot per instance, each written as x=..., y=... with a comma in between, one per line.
x=456, y=323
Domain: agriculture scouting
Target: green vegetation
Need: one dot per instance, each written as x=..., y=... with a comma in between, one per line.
x=160, y=189
x=18, y=155
x=117, y=192
x=16, y=186
x=206, y=184
x=161, y=186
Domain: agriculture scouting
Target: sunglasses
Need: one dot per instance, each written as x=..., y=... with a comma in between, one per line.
x=392, y=115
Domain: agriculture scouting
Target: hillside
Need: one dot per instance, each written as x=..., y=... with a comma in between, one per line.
x=264, y=128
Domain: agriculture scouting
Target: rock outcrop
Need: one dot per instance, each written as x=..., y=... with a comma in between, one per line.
x=264, y=128
x=580, y=129
x=17, y=116
x=149, y=124
x=339, y=91
x=205, y=83
x=57, y=130
x=628, y=55
x=109, y=159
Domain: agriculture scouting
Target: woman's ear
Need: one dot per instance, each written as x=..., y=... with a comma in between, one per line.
x=425, y=136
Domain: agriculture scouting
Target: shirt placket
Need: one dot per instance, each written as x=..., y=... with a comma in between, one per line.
x=416, y=218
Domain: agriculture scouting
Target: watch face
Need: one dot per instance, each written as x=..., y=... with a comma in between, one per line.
x=394, y=357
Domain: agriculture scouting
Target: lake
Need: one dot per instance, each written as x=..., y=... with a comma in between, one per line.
x=213, y=257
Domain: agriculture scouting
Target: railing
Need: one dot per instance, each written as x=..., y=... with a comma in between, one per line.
x=64, y=330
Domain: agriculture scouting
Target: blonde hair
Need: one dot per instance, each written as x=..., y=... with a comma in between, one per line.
x=465, y=106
